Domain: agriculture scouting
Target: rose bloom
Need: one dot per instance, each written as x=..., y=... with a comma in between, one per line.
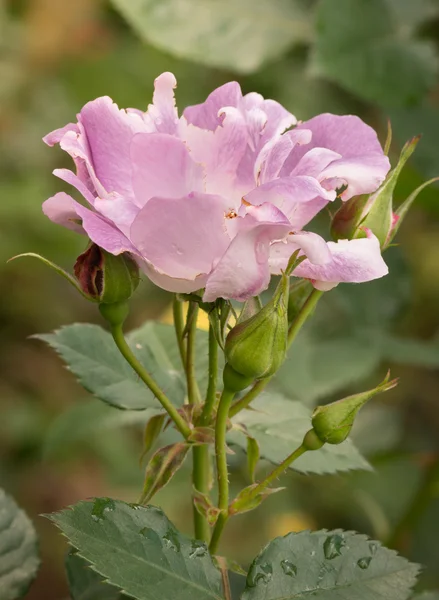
x=218, y=198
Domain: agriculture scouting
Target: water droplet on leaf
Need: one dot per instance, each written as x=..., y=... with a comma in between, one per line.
x=198, y=549
x=364, y=562
x=100, y=507
x=171, y=540
x=288, y=568
x=260, y=573
x=332, y=546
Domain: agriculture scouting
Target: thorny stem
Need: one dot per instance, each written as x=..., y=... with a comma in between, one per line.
x=127, y=353
x=200, y=453
x=295, y=327
x=221, y=466
x=213, y=379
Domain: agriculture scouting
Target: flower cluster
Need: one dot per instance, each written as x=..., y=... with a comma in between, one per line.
x=218, y=198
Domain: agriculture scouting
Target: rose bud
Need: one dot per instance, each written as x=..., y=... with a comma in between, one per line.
x=375, y=212
x=104, y=277
x=333, y=423
x=256, y=347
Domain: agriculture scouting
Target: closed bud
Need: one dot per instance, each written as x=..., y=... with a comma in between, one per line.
x=374, y=212
x=104, y=277
x=333, y=423
x=256, y=347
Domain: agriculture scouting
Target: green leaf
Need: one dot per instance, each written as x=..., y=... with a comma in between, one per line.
x=93, y=357
x=329, y=565
x=85, y=420
x=239, y=35
x=316, y=367
x=367, y=47
x=138, y=550
x=279, y=425
x=162, y=468
x=18, y=550
x=86, y=584
x=433, y=595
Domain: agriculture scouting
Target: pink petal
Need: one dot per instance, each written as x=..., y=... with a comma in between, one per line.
x=162, y=166
x=109, y=132
x=311, y=245
x=362, y=175
x=62, y=209
x=119, y=211
x=75, y=181
x=314, y=161
x=172, y=284
x=182, y=237
x=299, y=198
x=220, y=151
x=273, y=155
x=54, y=137
x=244, y=271
x=206, y=115
x=356, y=142
x=353, y=261
x=162, y=115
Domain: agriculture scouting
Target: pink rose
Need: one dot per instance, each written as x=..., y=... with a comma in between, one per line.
x=218, y=197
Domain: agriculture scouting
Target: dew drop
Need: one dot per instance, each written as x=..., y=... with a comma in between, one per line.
x=259, y=573
x=288, y=568
x=171, y=540
x=364, y=562
x=100, y=507
x=198, y=549
x=332, y=546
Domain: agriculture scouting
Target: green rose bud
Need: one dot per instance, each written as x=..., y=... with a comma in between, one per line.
x=374, y=212
x=256, y=347
x=104, y=277
x=333, y=423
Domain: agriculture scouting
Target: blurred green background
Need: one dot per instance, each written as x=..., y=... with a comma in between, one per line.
x=374, y=58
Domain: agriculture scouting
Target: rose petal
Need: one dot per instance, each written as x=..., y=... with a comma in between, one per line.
x=311, y=245
x=355, y=141
x=353, y=261
x=109, y=132
x=244, y=271
x=207, y=114
x=182, y=237
x=162, y=166
x=299, y=198
x=162, y=114
x=62, y=209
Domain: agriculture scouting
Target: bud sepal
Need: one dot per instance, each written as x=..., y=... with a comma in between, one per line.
x=256, y=347
x=333, y=423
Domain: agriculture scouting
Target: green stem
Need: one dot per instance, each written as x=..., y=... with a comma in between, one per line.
x=295, y=327
x=200, y=480
x=277, y=472
x=127, y=353
x=221, y=466
x=192, y=386
x=177, y=310
x=200, y=454
x=213, y=379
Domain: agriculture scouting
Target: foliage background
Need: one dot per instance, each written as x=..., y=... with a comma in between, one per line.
x=375, y=58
